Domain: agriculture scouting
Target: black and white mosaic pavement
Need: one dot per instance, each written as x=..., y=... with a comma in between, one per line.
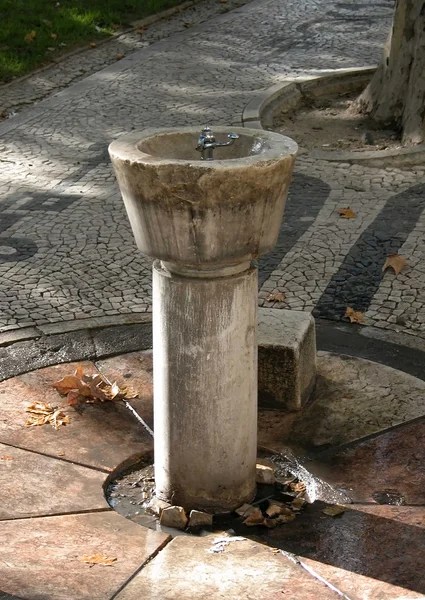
x=66, y=250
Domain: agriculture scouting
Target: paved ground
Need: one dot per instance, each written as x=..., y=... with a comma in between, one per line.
x=66, y=250
x=28, y=90
x=364, y=431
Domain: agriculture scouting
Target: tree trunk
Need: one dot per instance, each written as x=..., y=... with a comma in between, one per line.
x=396, y=93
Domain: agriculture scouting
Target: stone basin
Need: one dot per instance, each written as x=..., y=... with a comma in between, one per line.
x=184, y=210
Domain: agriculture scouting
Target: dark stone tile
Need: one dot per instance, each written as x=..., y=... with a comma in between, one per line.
x=41, y=559
x=40, y=485
x=387, y=469
x=368, y=553
x=101, y=435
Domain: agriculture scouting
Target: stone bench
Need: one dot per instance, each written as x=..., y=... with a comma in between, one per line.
x=286, y=358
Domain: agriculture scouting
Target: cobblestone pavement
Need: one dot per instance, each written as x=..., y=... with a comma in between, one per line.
x=18, y=95
x=66, y=249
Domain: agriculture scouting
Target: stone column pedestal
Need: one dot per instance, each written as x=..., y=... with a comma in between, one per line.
x=205, y=394
x=205, y=221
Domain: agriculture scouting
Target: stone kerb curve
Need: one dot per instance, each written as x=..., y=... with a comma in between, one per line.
x=288, y=94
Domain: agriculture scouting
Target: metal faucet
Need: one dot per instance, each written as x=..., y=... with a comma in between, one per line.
x=207, y=143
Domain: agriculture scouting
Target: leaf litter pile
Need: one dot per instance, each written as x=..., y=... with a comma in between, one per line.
x=43, y=414
x=91, y=388
x=78, y=388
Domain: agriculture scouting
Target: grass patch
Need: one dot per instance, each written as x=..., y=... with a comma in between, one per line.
x=32, y=32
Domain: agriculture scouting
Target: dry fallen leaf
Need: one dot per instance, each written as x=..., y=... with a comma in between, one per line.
x=99, y=559
x=334, y=511
x=53, y=36
x=42, y=414
x=119, y=56
x=355, y=316
x=299, y=487
x=91, y=388
x=93, y=45
x=5, y=457
x=396, y=262
x=297, y=503
x=276, y=297
x=30, y=37
x=347, y=213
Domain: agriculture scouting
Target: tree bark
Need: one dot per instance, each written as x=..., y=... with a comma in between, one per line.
x=396, y=94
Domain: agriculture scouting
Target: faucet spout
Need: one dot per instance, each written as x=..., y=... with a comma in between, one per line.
x=207, y=143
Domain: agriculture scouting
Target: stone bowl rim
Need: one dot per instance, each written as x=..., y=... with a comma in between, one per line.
x=279, y=147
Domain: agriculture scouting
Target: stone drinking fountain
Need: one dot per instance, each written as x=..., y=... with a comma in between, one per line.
x=204, y=209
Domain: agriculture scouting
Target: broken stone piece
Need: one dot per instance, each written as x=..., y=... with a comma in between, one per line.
x=265, y=472
x=174, y=516
x=274, y=510
x=156, y=506
x=200, y=519
x=245, y=510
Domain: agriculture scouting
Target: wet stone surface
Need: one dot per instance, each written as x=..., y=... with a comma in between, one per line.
x=132, y=495
x=386, y=469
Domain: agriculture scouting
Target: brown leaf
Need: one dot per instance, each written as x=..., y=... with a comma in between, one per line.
x=355, y=316
x=53, y=36
x=119, y=56
x=334, y=511
x=30, y=37
x=140, y=30
x=297, y=503
x=396, y=262
x=347, y=213
x=115, y=26
x=93, y=45
x=73, y=397
x=276, y=297
x=40, y=408
x=42, y=414
x=68, y=383
x=6, y=457
x=299, y=487
x=99, y=559
x=90, y=388
x=286, y=518
x=128, y=393
x=256, y=518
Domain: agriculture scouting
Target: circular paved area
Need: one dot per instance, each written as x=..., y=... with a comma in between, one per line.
x=66, y=250
x=365, y=432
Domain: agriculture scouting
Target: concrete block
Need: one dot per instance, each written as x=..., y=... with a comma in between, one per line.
x=286, y=358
